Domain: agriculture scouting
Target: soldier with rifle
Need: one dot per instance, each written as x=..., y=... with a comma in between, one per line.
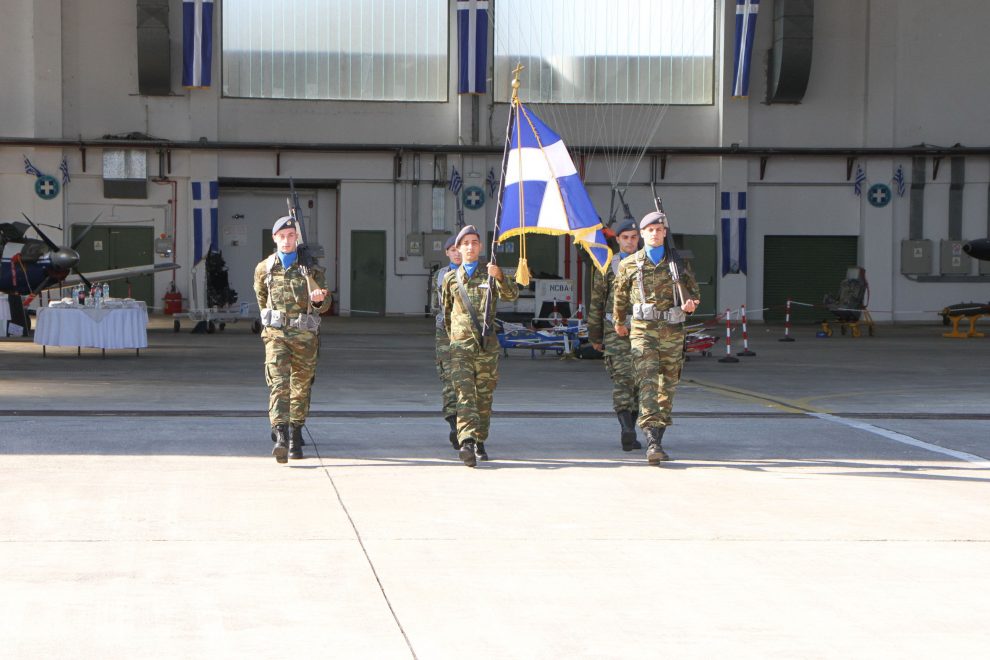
x=292, y=292
x=468, y=297
x=655, y=287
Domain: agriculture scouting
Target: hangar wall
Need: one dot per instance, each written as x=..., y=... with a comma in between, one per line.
x=885, y=73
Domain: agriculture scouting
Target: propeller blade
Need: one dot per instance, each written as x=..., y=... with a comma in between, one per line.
x=79, y=239
x=47, y=240
x=83, y=278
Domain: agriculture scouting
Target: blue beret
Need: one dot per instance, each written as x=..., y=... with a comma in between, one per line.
x=285, y=222
x=466, y=230
x=629, y=224
x=653, y=218
x=449, y=243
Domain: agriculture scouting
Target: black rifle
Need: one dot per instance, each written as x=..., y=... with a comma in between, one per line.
x=306, y=255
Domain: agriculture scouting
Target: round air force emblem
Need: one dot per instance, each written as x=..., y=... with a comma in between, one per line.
x=46, y=187
x=473, y=197
x=879, y=195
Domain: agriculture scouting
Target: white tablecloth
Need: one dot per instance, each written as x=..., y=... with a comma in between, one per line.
x=4, y=312
x=92, y=328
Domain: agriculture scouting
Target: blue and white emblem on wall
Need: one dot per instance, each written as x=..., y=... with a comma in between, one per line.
x=473, y=197
x=879, y=195
x=47, y=187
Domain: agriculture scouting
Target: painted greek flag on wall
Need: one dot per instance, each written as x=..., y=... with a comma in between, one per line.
x=733, y=234
x=543, y=192
x=472, y=46
x=746, y=11
x=197, y=42
x=206, y=219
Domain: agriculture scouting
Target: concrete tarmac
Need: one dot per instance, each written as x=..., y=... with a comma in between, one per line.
x=828, y=498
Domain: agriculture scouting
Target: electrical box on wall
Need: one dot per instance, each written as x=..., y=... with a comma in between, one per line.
x=952, y=260
x=414, y=244
x=433, y=252
x=916, y=257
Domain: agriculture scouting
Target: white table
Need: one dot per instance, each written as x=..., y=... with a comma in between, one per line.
x=87, y=327
x=4, y=314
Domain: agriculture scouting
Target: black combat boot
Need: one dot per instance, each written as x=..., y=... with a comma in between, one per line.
x=296, y=442
x=628, y=439
x=654, y=452
x=479, y=451
x=452, y=420
x=281, y=450
x=466, y=453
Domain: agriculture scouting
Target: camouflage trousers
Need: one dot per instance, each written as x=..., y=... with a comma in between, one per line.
x=447, y=392
x=474, y=372
x=290, y=368
x=620, y=368
x=658, y=353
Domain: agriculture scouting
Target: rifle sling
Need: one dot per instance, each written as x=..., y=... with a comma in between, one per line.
x=470, y=308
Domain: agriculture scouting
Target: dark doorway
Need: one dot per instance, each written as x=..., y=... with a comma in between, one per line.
x=367, y=273
x=804, y=269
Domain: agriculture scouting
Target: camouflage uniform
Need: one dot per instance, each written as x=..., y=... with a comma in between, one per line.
x=657, y=346
x=290, y=353
x=448, y=393
x=474, y=365
x=618, y=356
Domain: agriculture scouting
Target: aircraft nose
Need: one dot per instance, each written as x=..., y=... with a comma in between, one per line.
x=65, y=258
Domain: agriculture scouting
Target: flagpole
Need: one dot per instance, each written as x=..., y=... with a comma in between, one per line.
x=501, y=191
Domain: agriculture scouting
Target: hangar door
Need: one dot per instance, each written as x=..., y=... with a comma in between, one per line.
x=804, y=268
x=108, y=247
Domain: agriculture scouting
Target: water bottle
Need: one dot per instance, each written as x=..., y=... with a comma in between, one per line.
x=106, y=291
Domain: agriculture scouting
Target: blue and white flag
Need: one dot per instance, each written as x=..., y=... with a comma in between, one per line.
x=197, y=42
x=206, y=219
x=733, y=234
x=492, y=182
x=860, y=180
x=745, y=29
x=456, y=182
x=543, y=192
x=64, y=169
x=472, y=46
x=899, y=181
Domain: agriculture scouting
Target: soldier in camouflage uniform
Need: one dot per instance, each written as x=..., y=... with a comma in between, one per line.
x=473, y=357
x=601, y=333
x=448, y=392
x=646, y=288
x=290, y=313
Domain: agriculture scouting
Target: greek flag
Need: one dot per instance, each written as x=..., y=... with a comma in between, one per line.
x=542, y=191
x=899, y=180
x=456, y=182
x=205, y=210
x=745, y=29
x=197, y=42
x=64, y=169
x=860, y=180
x=733, y=234
x=472, y=46
x=492, y=182
x=31, y=169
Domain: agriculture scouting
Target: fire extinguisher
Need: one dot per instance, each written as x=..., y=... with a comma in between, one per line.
x=173, y=300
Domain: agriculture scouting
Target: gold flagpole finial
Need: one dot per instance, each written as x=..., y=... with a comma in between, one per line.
x=515, y=82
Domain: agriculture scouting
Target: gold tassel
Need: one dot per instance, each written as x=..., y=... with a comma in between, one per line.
x=522, y=272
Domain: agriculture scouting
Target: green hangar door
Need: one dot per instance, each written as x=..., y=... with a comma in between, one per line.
x=804, y=269
x=119, y=246
x=367, y=273
x=703, y=262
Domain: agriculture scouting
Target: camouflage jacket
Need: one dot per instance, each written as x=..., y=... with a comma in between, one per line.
x=286, y=290
x=657, y=284
x=600, y=306
x=436, y=283
x=457, y=320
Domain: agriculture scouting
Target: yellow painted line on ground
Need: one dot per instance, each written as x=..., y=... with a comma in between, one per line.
x=750, y=396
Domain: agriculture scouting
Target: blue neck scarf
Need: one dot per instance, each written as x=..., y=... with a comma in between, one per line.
x=623, y=255
x=287, y=259
x=655, y=254
x=470, y=267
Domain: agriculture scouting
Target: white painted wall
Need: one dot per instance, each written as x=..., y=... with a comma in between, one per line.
x=884, y=73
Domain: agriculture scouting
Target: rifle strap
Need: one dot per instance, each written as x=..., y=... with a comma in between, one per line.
x=470, y=308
